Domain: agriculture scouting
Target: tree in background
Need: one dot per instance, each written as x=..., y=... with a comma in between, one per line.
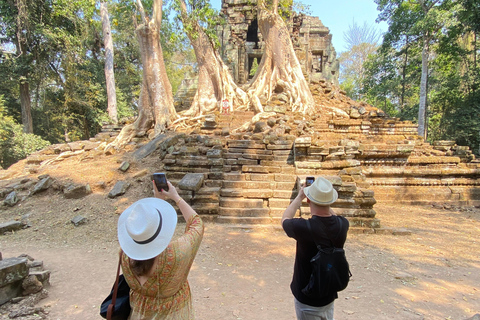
x=109, y=71
x=215, y=83
x=422, y=20
x=279, y=69
x=155, y=108
x=455, y=101
x=21, y=21
x=14, y=143
x=393, y=75
x=361, y=41
x=65, y=86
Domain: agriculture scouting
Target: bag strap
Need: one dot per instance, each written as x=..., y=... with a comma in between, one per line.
x=322, y=226
x=111, y=306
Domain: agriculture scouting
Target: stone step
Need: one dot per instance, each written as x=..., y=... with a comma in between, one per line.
x=241, y=203
x=248, y=220
x=364, y=222
x=206, y=208
x=244, y=212
x=250, y=184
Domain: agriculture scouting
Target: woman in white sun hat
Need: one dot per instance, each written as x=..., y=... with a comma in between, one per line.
x=155, y=266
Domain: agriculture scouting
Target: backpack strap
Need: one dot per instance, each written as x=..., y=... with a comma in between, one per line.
x=322, y=226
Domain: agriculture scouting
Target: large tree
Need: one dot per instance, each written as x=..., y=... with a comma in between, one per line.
x=155, y=108
x=109, y=72
x=215, y=83
x=279, y=69
x=422, y=20
x=21, y=20
x=361, y=41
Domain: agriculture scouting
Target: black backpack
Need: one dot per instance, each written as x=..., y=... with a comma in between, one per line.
x=330, y=269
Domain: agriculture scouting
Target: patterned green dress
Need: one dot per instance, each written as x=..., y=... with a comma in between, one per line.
x=166, y=294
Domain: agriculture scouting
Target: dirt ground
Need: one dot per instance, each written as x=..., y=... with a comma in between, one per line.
x=244, y=273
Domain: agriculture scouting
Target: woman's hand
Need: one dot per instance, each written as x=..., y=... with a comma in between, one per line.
x=164, y=195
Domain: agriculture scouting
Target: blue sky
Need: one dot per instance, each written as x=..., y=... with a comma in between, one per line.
x=337, y=15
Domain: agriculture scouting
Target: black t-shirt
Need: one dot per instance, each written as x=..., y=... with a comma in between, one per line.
x=306, y=249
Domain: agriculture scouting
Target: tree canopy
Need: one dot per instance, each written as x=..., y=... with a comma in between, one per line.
x=52, y=60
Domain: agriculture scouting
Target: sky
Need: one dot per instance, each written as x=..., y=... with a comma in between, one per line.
x=338, y=15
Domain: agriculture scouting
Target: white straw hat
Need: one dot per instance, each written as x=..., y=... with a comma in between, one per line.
x=146, y=228
x=321, y=192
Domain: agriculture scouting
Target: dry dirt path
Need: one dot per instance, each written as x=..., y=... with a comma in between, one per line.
x=433, y=273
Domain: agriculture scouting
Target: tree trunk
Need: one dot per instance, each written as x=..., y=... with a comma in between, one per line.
x=109, y=72
x=155, y=108
x=404, y=72
x=26, y=107
x=423, y=91
x=21, y=45
x=279, y=69
x=215, y=83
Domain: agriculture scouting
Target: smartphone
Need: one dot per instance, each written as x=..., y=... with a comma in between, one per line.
x=309, y=181
x=160, y=181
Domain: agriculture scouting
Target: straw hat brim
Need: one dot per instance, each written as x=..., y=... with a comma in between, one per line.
x=152, y=249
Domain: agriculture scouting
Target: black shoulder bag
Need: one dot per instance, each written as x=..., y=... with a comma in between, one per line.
x=330, y=269
x=116, y=305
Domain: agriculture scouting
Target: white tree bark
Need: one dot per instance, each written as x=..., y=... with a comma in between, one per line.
x=423, y=91
x=109, y=72
x=279, y=69
x=215, y=83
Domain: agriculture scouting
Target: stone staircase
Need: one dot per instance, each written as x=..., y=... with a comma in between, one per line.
x=253, y=181
x=251, y=177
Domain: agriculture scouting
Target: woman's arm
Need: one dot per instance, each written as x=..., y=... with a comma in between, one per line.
x=172, y=193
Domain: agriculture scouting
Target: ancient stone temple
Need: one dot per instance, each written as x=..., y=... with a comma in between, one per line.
x=242, y=44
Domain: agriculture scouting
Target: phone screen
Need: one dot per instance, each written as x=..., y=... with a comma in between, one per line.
x=309, y=181
x=160, y=181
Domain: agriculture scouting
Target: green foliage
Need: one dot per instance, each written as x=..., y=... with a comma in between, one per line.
x=198, y=12
x=254, y=68
x=14, y=143
x=393, y=74
x=352, y=67
x=302, y=8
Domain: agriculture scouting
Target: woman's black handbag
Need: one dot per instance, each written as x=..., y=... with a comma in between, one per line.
x=117, y=305
x=330, y=270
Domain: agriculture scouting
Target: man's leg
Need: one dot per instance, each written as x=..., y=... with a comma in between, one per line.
x=306, y=312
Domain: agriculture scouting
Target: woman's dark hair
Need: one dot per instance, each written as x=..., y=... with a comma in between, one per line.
x=141, y=267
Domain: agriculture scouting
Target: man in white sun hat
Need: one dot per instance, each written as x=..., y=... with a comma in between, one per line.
x=155, y=266
x=320, y=195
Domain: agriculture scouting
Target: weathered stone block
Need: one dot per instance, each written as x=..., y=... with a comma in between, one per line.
x=120, y=188
x=215, y=162
x=246, y=144
x=12, y=272
x=215, y=153
x=244, y=212
x=76, y=191
x=241, y=203
x=278, y=203
x=79, y=220
x=10, y=226
x=258, y=156
x=192, y=181
x=248, y=162
x=259, y=177
x=308, y=165
x=303, y=142
x=11, y=199
x=124, y=166
x=42, y=185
